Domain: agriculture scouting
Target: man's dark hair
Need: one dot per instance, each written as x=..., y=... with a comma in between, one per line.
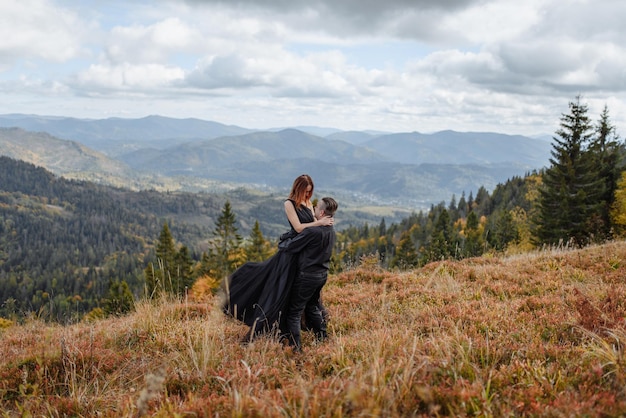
x=330, y=206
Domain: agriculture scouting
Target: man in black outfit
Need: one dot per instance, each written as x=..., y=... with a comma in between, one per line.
x=314, y=247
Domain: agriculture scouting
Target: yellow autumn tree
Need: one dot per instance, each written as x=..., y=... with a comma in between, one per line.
x=618, y=210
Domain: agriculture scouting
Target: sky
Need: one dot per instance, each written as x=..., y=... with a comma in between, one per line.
x=506, y=66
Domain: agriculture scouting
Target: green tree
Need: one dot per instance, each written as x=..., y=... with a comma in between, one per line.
x=571, y=185
x=504, y=230
x=183, y=278
x=406, y=256
x=158, y=274
x=119, y=299
x=482, y=202
x=463, y=207
x=172, y=271
x=225, y=251
x=605, y=150
x=441, y=245
x=257, y=248
x=165, y=249
x=474, y=244
x=382, y=227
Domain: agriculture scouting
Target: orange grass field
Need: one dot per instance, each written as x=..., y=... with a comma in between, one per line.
x=537, y=334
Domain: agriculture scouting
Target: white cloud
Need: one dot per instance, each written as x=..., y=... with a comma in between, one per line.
x=144, y=79
x=500, y=65
x=151, y=43
x=36, y=29
x=227, y=72
x=495, y=21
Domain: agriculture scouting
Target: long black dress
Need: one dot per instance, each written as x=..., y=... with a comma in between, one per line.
x=257, y=292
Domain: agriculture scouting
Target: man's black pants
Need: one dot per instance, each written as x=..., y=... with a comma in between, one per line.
x=305, y=296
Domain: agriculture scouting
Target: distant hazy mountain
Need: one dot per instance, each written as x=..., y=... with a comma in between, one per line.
x=270, y=149
x=313, y=130
x=116, y=135
x=450, y=147
x=408, y=169
x=544, y=137
x=353, y=137
x=59, y=156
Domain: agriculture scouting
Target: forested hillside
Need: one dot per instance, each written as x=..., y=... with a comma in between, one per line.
x=65, y=245
x=62, y=242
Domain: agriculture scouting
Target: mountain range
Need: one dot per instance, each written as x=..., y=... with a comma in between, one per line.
x=410, y=169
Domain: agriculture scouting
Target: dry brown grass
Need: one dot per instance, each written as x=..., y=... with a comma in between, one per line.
x=538, y=334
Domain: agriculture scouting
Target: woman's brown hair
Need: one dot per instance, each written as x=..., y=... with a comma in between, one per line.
x=298, y=190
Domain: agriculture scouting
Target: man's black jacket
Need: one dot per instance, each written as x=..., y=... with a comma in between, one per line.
x=314, y=247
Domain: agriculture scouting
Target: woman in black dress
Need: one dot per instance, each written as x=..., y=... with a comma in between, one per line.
x=257, y=292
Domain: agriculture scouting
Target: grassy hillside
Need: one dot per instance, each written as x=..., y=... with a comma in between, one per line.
x=529, y=335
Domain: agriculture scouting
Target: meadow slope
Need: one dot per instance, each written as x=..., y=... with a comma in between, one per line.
x=538, y=334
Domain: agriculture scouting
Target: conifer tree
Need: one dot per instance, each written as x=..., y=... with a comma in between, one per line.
x=605, y=150
x=258, y=248
x=473, y=245
x=463, y=207
x=470, y=201
x=570, y=194
x=482, y=202
x=183, y=276
x=452, y=209
x=165, y=249
x=441, y=245
x=119, y=299
x=406, y=255
x=365, y=231
x=159, y=274
x=503, y=231
x=172, y=270
x=225, y=252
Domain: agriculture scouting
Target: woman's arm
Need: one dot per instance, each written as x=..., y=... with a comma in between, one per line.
x=290, y=210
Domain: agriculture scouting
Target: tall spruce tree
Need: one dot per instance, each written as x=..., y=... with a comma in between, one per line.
x=462, y=206
x=569, y=197
x=172, y=270
x=503, y=229
x=158, y=274
x=225, y=252
x=258, y=248
x=406, y=256
x=184, y=271
x=605, y=150
x=441, y=245
x=473, y=244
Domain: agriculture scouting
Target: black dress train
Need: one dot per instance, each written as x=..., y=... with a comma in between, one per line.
x=257, y=292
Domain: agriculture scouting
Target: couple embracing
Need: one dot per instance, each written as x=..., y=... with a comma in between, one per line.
x=272, y=296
